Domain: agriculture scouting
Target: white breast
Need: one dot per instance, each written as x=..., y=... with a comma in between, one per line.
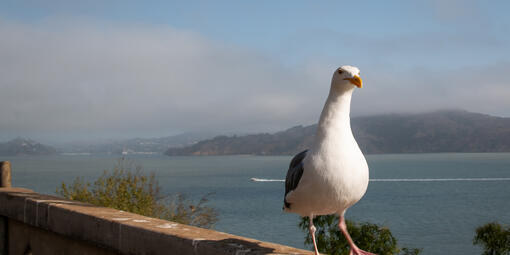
x=335, y=172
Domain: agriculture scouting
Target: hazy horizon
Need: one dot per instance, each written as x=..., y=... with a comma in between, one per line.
x=118, y=70
x=105, y=139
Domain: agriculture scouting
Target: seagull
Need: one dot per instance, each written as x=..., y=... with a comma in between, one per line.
x=332, y=175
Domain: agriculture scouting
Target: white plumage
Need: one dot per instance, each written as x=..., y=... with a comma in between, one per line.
x=333, y=174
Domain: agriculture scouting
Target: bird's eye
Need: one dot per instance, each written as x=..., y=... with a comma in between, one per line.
x=340, y=71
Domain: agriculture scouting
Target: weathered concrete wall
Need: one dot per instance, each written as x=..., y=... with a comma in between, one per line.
x=51, y=225
x=3, y=235
x=24, y=238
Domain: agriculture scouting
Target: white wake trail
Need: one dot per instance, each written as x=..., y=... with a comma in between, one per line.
x=266, y=180
x=408, y=180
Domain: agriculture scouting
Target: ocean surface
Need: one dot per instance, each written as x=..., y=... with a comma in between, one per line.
x=429, y=201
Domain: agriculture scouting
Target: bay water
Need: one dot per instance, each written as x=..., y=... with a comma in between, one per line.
x=429, y=201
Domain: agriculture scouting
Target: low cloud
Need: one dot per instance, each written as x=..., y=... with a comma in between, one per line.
x=142, y=80
x=79, y=79
x=484, y=89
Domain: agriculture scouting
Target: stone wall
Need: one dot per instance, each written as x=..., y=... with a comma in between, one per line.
x=32, y=223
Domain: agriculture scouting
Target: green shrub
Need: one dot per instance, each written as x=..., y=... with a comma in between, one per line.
x=126, y=187
x=494, y=238
x=367, y=236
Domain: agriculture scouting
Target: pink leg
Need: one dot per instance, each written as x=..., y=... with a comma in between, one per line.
x=312, y=229
x=354, y=249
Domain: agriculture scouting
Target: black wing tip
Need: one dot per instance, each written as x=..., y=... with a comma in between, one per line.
x=293, y=175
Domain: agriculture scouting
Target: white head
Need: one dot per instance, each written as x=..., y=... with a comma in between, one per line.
x=346, y=78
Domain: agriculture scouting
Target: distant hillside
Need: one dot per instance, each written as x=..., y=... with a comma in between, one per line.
x=441, y=131
x=21, y=146
x=137, y=145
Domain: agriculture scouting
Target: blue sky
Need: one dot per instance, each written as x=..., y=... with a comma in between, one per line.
x=256, y=65
x=466, y=33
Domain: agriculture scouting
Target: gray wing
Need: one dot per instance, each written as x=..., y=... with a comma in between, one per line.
x=294, y=174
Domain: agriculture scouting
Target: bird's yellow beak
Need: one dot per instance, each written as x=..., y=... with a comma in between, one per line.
x=356, y=80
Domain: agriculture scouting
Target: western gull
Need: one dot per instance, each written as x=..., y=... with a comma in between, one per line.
x=333, y=174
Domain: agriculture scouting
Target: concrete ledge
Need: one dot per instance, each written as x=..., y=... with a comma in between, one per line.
x=24, y=239
x=123, y=232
